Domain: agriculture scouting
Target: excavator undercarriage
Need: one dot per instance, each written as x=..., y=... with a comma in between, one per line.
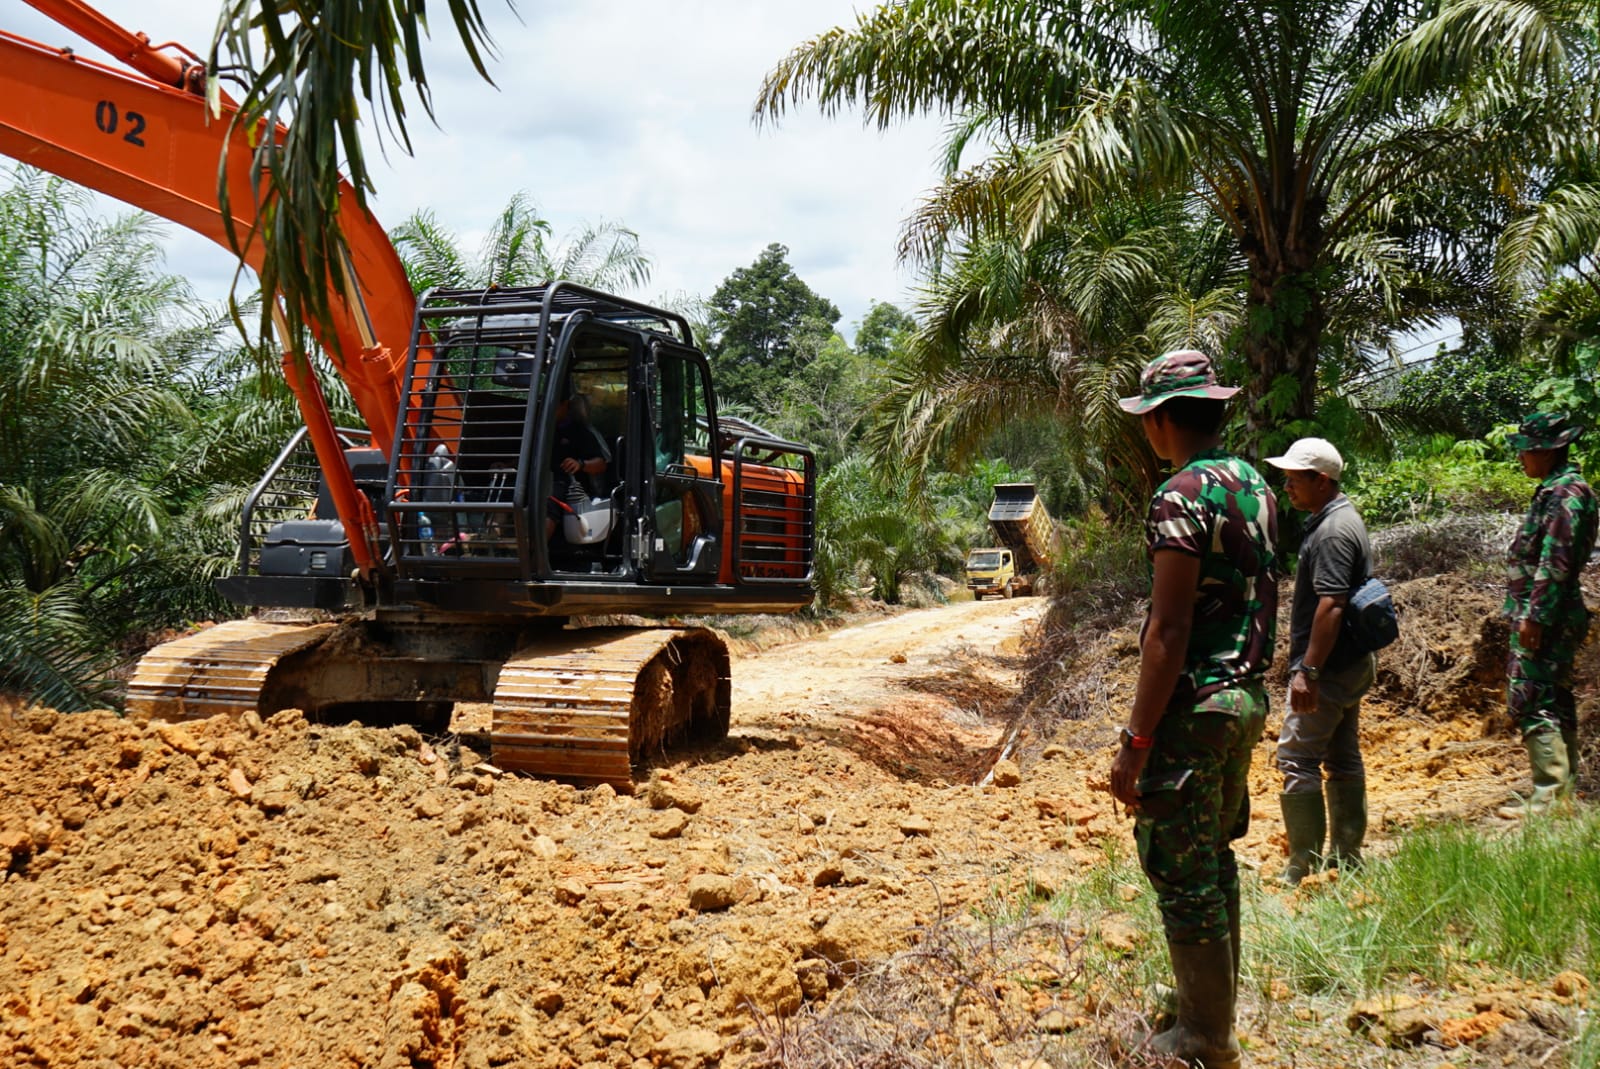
x=586, y=705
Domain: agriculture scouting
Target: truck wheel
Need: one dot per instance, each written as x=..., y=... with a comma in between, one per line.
x=977, y=595
x=1010, y=590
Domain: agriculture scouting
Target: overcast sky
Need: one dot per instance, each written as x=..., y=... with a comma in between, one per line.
x=635, y=112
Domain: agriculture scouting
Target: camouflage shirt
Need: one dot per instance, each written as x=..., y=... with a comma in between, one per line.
x=1220, y=509
x=1551, y=548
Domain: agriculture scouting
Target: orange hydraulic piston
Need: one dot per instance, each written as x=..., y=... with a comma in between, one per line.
x=134, y=49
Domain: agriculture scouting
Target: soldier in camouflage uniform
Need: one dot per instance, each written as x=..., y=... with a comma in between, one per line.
x=1201, y=702
x=1544, y=605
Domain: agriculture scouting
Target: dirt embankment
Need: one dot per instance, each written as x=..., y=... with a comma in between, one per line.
x=275, y=893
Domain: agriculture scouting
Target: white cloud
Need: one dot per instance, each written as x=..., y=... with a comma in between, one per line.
x=638, y=112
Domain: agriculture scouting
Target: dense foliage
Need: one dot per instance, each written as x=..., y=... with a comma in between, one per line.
x=104, y=465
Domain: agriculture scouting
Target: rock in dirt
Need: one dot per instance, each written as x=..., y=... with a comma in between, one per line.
x=915, y=824
x=709, y=892
x=666, y=792
x=758, y=975
x=1471, y=1030
x=1573, y=985
x=669, y=825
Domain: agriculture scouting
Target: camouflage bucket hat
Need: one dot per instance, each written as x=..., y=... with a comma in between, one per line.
x=1182, y=373
x=1544, y=430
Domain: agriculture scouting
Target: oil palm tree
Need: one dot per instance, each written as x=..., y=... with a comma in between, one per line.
x=518, y=251
x=1056, y=328
x=1296, y=124
x=93, y=354
x=1549, y=260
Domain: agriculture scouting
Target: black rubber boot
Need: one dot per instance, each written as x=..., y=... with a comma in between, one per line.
x=1305, y=821
x=1203, y=1035
x=1347, y=821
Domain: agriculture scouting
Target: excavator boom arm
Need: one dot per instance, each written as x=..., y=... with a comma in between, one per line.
x=157, y=147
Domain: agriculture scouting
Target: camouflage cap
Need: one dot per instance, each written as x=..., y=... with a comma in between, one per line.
x=1181, y=373
x=1544, y=430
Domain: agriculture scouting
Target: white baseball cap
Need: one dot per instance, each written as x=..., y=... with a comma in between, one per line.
x=1311, y=454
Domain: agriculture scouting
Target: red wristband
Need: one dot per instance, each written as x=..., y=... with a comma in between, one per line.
x=1137, y=742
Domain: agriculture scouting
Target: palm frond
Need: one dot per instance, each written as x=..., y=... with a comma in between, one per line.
x=308, y=65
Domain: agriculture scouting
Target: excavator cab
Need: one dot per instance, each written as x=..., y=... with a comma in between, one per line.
x=688, y=512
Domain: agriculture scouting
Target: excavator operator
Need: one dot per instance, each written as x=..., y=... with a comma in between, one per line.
x=580, y=460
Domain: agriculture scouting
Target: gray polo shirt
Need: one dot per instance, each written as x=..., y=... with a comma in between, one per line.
x=1334, y=558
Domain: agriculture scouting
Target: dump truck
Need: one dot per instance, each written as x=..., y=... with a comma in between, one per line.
x=1028, y=544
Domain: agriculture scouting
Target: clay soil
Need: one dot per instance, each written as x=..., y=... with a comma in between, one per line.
x=270, y=892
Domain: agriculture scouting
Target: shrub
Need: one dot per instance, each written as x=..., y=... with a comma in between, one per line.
x=1437, y=477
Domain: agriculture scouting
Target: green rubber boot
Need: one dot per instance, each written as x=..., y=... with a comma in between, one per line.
x=1347, y=821
x=1547, y=757
x=1203, y=1035
x=1305, y=820
x=1234, y=937
x=1569, y=738
x=1164, y=998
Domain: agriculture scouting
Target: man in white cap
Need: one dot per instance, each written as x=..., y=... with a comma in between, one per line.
x=1327, y=676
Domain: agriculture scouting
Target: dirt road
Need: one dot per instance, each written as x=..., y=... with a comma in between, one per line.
x=826, y=682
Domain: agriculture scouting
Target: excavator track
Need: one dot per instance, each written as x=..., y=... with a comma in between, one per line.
x=220, y=670
x=586, y=706
x=591, y=705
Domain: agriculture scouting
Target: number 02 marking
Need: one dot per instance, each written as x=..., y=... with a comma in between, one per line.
x=107, y=120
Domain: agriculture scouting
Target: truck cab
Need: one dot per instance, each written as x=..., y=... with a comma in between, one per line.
x=993, y=570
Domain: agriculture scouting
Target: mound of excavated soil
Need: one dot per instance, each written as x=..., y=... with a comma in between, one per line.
x=277, y=893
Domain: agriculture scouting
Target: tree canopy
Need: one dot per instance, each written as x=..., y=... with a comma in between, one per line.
x=1311, y=130
x=766, y=325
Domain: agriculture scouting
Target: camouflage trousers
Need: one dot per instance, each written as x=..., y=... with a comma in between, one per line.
x=1539, y=682
x=1194, y=801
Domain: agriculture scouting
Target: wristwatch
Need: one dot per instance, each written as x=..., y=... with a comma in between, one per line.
x=1137, y=742
x=1312, y=672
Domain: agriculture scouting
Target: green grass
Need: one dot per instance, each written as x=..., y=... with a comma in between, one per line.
x=1450, y=902
x=1525, y=903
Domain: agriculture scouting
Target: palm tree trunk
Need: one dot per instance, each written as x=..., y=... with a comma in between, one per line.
x=1284, y=320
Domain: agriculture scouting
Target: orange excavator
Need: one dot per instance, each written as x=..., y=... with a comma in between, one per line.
x=533, y=458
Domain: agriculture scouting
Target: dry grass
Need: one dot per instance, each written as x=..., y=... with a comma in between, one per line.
x=1463, y=544
x=996, y=995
